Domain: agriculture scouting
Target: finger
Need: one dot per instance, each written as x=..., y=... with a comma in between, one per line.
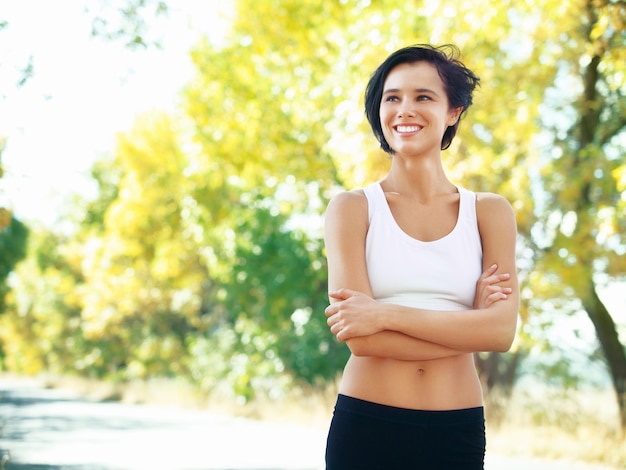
x=497, y=296
x=341, y=335
x=490, y=270
x=342, y=294
x=495, y=279
x=487, y=276
x=493, y=288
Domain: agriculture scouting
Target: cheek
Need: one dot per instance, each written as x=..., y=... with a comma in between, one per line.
x=386, y=131
x=383, y=126
x=384, y=119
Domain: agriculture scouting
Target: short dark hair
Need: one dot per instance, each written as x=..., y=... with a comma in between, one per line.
x=458, y=81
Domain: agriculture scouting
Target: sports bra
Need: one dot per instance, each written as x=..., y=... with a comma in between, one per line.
x=435, y=275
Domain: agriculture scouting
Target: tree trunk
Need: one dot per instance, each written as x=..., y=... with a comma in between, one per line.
x=613, y=350
x=498, y=371
x=589, y=127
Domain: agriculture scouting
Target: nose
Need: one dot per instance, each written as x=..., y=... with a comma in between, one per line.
x=406, y=109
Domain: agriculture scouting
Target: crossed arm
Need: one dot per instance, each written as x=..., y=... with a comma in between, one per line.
x=374, y=329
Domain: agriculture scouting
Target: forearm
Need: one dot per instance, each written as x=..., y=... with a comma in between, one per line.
x=486, y=329
x=395, y=345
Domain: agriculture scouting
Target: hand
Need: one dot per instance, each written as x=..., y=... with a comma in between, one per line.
x=488, y=290
x=354, y=314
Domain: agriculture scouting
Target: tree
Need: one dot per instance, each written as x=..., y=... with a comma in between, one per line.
x=584, y=220
x=41, y=330
x=13, y=239
x=142, y=293
x=260, y=110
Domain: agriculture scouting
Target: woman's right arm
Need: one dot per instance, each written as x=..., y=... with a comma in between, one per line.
x=346, y=225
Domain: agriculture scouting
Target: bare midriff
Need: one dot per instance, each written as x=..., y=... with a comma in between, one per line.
x=442, y=384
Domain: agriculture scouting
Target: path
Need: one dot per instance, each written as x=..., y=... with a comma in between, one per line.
x=55, y=430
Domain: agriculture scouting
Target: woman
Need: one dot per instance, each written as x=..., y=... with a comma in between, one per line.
x=405, y=257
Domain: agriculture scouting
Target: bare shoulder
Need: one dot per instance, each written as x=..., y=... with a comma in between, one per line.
x=347, y=203
x=498, y=233
x=494, y=211
x=346, y=216
x=491, y=198
x=491, y=204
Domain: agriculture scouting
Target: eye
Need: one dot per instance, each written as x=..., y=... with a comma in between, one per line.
x=391, y=98
x=424, y=98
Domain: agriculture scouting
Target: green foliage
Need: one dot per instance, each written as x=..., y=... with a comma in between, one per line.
x=270, y=282
x=277, y=281
x=13, y=239
x=143, y=276
x=582, y=223
x=41, y=328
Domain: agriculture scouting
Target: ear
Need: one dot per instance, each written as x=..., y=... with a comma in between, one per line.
x=453, y=115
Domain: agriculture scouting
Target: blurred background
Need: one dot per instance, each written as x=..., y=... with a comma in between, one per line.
x=165, y=167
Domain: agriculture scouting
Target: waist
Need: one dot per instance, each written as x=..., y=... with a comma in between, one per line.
x=442, y=384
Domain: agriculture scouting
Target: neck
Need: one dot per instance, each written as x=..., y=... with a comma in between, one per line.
x=421, y=178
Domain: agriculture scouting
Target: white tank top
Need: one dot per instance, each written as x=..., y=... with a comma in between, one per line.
x=436, y=275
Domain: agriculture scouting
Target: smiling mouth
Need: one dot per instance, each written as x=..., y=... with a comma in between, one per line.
x=407, y=129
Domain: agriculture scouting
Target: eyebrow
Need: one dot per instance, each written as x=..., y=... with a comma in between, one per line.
x=417, y=90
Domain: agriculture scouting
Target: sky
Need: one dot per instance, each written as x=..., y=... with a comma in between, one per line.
x=83, y=91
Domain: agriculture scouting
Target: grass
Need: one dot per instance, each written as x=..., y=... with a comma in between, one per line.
x=547, y=423
x=579, y=426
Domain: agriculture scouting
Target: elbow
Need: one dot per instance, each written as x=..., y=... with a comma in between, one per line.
x=503, y=341
x=496, y=343
x=503, y=344
x=503, y=334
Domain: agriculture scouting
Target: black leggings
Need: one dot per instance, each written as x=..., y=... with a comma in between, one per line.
x=369, y=436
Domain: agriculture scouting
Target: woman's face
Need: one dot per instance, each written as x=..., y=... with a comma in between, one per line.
x=414, y=110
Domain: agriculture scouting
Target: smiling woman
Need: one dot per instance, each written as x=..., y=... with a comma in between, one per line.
x=405, y=257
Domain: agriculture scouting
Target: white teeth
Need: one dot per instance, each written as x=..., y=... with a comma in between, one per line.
x=407, y=128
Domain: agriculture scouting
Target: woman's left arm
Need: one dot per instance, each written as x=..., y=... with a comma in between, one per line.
x=480, y=329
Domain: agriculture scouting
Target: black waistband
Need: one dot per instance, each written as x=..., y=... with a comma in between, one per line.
x=407, y=415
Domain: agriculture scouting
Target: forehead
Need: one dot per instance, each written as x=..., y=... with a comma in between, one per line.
x=414, y=75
